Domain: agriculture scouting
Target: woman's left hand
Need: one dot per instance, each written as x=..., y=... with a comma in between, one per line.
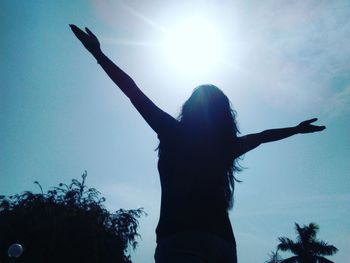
x=307, y=127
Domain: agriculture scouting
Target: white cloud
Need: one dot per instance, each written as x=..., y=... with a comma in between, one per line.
x=294, y=50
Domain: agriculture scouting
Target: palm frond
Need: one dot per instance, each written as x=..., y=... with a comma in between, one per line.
x=306, y=234
x=321, y=248
x=274, y=257
x=286, y=243
x=289, y=245
x=323, y=260
x=312, y=230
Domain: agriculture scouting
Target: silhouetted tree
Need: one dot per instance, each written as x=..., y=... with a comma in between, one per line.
x=274, y=257
x=69, y=223
x=307, y=249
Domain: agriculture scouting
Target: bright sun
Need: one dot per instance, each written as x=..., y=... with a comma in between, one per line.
x=194, y=45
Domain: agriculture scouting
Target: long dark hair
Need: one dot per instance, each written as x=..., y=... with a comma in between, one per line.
x=207, y=115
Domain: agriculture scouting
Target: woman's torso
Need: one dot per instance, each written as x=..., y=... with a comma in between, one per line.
x=193, y=186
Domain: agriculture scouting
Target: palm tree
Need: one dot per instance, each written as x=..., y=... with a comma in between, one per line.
x=307, y=249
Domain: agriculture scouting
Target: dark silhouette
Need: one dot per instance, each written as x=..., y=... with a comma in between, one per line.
x=198, y=155
x=67, y=224
x=307, y=249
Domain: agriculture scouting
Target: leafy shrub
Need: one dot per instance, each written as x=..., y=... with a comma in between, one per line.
x=69, y=223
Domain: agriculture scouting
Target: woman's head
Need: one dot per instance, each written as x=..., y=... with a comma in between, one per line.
x=209, y=109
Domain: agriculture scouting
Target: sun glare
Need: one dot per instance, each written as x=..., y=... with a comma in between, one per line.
x=194, y=45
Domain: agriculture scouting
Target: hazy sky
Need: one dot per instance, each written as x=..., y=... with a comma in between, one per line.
x=284, y=62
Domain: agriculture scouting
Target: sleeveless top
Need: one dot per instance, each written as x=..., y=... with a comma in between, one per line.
x=191, y=182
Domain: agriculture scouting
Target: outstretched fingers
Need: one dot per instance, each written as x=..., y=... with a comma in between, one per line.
x=88, y=39
x=89, y=32
x=319, y=128
x=307, y=127
x=311, y=120
x=80, y=34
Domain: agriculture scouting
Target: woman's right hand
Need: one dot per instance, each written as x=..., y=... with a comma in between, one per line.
x=88, y=39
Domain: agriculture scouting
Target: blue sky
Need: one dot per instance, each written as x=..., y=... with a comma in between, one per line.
x=285, y=61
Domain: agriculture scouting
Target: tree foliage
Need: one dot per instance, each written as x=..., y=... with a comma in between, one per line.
x=69, y=223
x=306, y=249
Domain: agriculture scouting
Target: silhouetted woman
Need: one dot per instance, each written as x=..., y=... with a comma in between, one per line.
x=197, y=161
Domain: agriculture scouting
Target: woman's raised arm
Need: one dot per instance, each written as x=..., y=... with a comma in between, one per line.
x=251, y=141
x=153, y=115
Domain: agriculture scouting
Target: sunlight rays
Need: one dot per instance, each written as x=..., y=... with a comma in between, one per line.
x=188, y=44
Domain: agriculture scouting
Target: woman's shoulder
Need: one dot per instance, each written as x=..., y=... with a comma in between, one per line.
x=169, y=128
